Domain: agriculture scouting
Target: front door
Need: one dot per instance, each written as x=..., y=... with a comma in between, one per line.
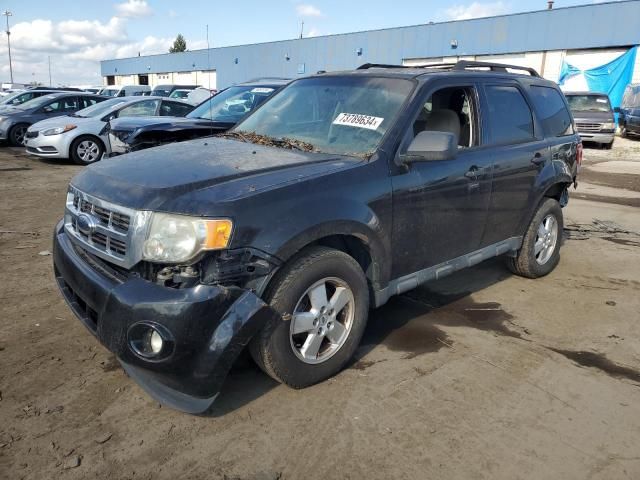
x=440, y=207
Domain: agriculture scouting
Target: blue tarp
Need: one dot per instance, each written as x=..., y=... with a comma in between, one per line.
x=611, y=78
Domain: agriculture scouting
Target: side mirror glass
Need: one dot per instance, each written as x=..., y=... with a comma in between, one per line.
x=430, y=146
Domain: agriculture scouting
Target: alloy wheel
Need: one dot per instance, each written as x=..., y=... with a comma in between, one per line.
x=322, y=320
x=88, y=151
x=546, y=239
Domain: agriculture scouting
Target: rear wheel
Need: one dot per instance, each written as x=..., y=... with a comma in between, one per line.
x=323, y=297
x=540, y=251
x=17, y=134
x=86, y=149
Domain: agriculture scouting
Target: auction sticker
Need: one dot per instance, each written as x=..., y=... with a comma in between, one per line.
x=357, y=120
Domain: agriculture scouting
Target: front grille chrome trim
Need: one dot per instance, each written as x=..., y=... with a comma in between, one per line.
x=119, y=231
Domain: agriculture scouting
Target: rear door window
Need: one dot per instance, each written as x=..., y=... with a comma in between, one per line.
x=140, y=109
x=509, y=117
x=174, y=109
x=552, y=111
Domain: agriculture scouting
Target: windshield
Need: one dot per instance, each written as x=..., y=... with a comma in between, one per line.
x=37, y=102
x=232, y=104
x=340, y=115
x=109, y=92
x=589, y=103
x=101, y=108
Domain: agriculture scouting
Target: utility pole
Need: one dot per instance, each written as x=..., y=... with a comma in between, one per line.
x=7, y=14
x=50, y=84
x=302, y=29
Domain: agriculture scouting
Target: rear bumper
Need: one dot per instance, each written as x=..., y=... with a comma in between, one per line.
x=206, y=326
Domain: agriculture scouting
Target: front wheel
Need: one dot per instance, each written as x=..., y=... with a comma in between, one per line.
x=323, y=297
x=86, y=150
x=540, y=250
x=17, y=134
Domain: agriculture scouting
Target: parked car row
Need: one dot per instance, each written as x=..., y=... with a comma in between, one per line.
x=85, y=128
x=82, y=136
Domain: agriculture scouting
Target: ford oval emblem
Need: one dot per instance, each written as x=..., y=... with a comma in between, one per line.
x=86, y=224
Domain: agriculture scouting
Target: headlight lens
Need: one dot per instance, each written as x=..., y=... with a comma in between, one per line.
x=178, y=238
x=608, y=125
x=58, y=130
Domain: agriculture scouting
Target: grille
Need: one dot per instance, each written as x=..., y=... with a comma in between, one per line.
x=110, y=231
x=589, y=127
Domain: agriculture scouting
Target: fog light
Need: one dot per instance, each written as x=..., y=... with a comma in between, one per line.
x=155, y=342
x=150, y=341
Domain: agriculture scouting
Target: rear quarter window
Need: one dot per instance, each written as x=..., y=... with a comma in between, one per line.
x=552, y=111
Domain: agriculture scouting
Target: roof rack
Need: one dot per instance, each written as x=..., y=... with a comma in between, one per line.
x=459, y=66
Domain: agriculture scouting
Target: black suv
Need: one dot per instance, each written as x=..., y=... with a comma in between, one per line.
x=341, y=190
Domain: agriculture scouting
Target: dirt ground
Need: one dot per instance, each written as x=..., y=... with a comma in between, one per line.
x=480, y=376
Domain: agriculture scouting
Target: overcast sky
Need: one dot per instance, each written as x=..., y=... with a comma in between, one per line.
x=78, y=34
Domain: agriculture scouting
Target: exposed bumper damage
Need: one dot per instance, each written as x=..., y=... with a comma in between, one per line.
x=204, y=327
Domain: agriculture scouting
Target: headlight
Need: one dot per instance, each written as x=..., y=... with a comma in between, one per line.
x=608, y=125
x=58, y=130
x=177, y=238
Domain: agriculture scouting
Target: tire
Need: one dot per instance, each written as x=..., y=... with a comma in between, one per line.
x=86, y=149
x=16, y=134
x=279, y=351
x=529, y=263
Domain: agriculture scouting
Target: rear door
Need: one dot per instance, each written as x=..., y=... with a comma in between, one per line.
x=554, y=117
x=518, y=150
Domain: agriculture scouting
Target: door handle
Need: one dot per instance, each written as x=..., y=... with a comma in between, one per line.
x=538, y=159
x=472, y=173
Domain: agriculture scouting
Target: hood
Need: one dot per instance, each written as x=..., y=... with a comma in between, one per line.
x=159, y=178
x=10, y=110
x=60, y=122
x=133, y=123
x=592, y=117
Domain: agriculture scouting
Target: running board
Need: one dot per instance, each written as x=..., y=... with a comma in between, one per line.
x=411, y=281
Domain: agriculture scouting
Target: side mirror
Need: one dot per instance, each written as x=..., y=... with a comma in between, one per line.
x=429, y=146
x=47, y=109
x=617, y=110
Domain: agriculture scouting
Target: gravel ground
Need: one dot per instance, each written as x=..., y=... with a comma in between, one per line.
x=482, y=375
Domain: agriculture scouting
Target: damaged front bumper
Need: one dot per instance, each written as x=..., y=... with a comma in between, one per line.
x=204, y=328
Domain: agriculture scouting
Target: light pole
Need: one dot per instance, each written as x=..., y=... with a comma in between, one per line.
x=7, y=14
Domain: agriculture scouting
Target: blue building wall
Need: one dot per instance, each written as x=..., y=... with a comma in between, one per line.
x=589, y=26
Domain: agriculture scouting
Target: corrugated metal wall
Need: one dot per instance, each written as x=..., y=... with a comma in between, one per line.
x=614, y=24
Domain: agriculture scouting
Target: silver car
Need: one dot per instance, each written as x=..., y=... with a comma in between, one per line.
x=80, y=136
